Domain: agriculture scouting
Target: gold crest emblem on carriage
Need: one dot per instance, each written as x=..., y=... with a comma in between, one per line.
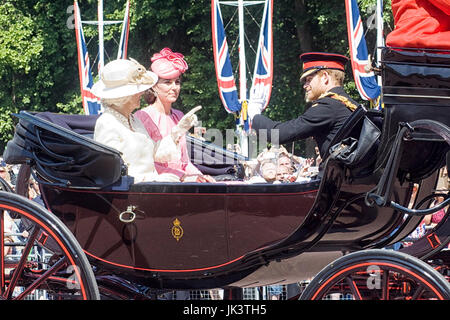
x=177, y=230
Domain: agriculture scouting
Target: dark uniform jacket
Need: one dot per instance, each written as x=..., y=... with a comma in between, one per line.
x=321, y=121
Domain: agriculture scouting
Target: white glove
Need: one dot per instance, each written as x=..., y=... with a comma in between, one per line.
x=188, y=121
x=167, y=151
x=254, y=107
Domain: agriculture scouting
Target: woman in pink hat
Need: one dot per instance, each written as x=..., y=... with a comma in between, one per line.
x=120, y=88
x=159, y=118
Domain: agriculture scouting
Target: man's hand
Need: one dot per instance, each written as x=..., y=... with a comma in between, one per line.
x=254, y=108
x=188, y=121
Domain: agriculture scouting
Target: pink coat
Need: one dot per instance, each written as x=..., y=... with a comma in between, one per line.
x=159, y=125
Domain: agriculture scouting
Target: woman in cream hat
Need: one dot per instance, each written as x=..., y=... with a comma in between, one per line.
x=120, y=88
x=159, y=118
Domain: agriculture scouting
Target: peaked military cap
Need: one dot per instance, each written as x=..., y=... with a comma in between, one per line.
x=315, y=61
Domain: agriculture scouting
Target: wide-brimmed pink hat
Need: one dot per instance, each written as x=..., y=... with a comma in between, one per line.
x=167, y=64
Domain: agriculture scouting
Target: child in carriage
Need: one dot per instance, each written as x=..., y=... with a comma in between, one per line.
x=277, y=165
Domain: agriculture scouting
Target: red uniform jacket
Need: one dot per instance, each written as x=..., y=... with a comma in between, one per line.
x=420, y=24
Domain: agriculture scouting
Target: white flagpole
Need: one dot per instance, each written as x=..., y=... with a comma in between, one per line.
x=242, y=74
x=123, y=37
x=242, y=65
x=380, y=38
x=101, y=50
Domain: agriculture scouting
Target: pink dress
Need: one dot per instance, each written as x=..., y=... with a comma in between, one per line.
x=159, y=125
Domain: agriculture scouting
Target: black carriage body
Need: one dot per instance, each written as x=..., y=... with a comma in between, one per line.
x=209, y=235
x=202, y=235
x=190, y=235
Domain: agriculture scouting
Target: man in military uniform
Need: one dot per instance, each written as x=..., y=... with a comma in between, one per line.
x=322, y=78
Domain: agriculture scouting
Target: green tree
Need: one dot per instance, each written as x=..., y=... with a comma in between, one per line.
x=21, y=42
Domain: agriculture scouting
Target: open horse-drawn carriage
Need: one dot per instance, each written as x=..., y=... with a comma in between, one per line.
x=113, y=239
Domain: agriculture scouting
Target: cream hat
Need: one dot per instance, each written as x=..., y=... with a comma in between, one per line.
x=122, y=78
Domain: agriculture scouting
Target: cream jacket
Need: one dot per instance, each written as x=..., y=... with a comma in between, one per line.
x=138, y=149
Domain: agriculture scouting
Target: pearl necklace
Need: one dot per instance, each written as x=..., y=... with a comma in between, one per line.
x=127, y=122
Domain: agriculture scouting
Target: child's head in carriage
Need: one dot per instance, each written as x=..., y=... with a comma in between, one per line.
x=278, y=165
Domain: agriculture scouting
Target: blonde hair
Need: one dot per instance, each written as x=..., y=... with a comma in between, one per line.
x=117, y=103
x=337, y=75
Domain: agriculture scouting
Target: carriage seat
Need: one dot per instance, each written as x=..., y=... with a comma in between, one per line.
x=61, y=149
x=416, y=86
x=416, y=83
x=415, y=69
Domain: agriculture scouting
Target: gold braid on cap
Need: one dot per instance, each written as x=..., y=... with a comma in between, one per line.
x=342, y=99
x=136, y=75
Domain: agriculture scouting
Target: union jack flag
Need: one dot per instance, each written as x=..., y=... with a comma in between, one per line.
x=91, y=103
x=224, y=72
x=263, y=72
x=123, y=45
x=366, y=82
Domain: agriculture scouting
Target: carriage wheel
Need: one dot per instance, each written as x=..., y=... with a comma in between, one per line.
x=40, y=257
x=378, y=275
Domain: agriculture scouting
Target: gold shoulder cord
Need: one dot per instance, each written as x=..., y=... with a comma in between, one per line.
x=342, y=99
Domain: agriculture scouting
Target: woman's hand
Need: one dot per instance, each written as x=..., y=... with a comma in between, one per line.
x=206, y=178
x=186, y=122
x=197, y=178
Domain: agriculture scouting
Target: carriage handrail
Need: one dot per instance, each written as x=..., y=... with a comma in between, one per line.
x=382, y=192
x=414, y=212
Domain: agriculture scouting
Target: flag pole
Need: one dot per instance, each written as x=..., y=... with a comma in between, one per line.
x=101, y=50
x=242, y=77
x=242, y=65
x=380, y=38
x=122, y=52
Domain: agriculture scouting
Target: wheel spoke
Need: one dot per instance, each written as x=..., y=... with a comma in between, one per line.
x=420, y=289
x=379, y=274
x=351, y=283
x=2, y=254
x=385, y=285
x=22, y=262
x=40, y=269
x=55, y=268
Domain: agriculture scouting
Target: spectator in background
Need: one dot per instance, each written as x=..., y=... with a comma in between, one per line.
x=435, y=218
x=33, y=189
x=4, y=173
